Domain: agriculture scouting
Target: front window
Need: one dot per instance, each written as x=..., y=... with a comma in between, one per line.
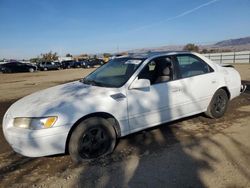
x=158, y=70
x=18, y=64
x=113, y=74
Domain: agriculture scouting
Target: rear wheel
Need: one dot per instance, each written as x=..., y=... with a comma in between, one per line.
x=92, y=138
x=218, y=104
x=31, y=70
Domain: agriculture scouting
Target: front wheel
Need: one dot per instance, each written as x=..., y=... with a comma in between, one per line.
x=7, y=71
x=92, y=138
x=218, y=104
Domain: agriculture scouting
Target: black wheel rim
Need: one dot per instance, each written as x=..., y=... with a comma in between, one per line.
x=94, y=143
x=219, y=104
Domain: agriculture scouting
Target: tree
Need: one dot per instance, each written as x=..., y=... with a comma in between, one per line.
x=49, y=56
x=191, y=47
x=68, y=55
x=204, y=51
x=35, y=60
x=107, y=55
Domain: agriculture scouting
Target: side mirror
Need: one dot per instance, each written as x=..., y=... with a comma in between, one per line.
x=140, y=84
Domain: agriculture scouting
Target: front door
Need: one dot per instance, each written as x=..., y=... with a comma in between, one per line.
x=152, y=106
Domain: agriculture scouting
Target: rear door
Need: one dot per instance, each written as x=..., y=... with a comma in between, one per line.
x=197, y=83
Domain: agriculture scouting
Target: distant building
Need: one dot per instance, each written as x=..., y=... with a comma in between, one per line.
x=81, y=57
x=60, y=59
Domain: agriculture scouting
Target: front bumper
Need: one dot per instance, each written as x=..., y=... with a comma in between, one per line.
x=37, y=143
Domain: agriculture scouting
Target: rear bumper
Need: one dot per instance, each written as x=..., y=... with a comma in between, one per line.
x=243, y=88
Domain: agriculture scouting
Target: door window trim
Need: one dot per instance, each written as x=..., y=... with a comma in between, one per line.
x=174, y=73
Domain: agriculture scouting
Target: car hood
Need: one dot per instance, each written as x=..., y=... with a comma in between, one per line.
x=53, y=99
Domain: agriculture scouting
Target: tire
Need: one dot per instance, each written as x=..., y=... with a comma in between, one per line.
x=88, y=66
x=218, y=104
x=31, y=70
x=45, y=68
x=92, y=138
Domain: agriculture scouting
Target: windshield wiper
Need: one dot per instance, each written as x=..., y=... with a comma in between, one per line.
x=91, y=82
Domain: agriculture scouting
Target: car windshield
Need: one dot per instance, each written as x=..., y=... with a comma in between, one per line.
x=115, y=73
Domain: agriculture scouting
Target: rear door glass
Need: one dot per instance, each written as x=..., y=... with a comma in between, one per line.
x=190, y=65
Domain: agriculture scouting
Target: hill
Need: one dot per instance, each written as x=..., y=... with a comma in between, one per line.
x=239, y=44
x=234, y=42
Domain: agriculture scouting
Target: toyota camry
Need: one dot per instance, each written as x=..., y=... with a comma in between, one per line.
x=126, y=95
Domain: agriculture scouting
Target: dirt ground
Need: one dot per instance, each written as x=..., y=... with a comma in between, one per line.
x=192, y=152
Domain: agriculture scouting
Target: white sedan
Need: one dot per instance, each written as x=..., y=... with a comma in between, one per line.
x=126, y=95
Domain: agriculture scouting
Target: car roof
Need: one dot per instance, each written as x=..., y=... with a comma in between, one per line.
x=148, y=55
x=12, y=62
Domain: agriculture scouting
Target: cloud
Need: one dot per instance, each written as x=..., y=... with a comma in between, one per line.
x=174, y=17
x=194, y=9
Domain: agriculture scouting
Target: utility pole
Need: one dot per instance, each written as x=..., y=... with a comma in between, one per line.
x=117, y=48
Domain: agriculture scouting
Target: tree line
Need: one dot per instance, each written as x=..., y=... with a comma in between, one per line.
x=195, y=48
x=53, y=56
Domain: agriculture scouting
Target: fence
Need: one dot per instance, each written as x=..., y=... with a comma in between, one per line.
x=230, y=57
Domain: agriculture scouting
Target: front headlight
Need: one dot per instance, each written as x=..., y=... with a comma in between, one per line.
x=34, y=123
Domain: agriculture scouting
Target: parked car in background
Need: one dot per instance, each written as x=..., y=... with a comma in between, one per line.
x=67, y=64
x=44, y=66
x=77, y=64
x=124, y=96
x=92, y=62
x=16, y=66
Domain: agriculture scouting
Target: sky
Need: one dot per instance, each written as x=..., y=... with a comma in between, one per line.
x=31, y=27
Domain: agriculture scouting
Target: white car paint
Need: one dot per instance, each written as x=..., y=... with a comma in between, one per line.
x=137, y=110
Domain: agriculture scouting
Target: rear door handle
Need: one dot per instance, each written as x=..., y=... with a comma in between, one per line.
x=213, y=81
x=176, y=90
